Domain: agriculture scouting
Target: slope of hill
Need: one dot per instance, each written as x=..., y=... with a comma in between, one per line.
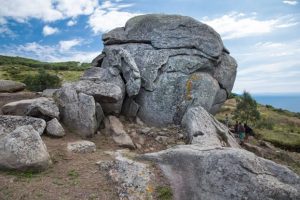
x=277, y=127
x=17, y=68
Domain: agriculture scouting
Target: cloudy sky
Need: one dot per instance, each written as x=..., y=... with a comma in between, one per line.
x=263, y=35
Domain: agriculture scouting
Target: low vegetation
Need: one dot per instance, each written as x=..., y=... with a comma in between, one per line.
x=278, y=126
x=24, y=69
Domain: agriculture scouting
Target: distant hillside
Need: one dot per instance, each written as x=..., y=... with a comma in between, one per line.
x=20, y=69
x=70, y=65
x=278, y=126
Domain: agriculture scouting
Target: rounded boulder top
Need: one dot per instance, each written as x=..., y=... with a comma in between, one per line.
x=168, y=32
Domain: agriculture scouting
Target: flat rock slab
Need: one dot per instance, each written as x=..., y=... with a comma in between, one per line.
x=132, y=178
x=23, y=149
x=11, y=86
x=82, y=146
x=9, y=123
x=39, y=107
x=225, y=174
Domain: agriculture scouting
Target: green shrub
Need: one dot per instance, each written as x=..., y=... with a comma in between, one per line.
x=42, y=81
x=265, y=123
x=164, y=193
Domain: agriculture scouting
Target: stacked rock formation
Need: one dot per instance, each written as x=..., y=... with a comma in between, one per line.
x=168, y=63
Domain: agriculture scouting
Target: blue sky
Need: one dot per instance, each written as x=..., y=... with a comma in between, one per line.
x=262, y=35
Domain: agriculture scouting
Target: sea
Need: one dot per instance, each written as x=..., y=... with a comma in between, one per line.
x=286, y=102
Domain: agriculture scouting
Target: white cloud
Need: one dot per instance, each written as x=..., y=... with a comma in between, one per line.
x=239, y=25
x=290, y=2
x=46, y=10
x=73, y=8
x=72, y=23
x=48, y=30
x=21, y=10
x=49, y=53
x=269, y=67
x=109, y=15
x=68, y=44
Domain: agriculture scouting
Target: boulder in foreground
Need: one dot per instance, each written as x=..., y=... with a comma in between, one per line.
x=225, y=174
x=9, y=123
x=23, y=149
x=11, y=86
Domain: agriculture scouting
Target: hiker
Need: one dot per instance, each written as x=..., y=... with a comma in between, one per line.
x=236, y=127
x=241, y=131
x=248, y=131
x=226, y=120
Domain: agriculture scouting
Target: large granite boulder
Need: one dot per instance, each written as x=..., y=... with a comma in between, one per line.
x=23, y=149
x=168, y=63
x=11, y=86
x=77, y=111
x=42, y=107
x=9, y=123
x=203, y=129
x=225, y=174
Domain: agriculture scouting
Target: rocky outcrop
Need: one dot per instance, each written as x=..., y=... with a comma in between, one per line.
x=42, y=107
x=54, y=128
x=168, y=63
x=77, y=111
x=11, y=86
x=109, y=88
x=23, y=149
x=82, y=146
x=9, y=123
x=225, y=173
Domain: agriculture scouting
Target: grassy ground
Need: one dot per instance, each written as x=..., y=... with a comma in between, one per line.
x=19, y=72
x=281, y=128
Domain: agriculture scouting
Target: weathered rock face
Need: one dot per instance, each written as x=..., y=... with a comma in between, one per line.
x=9, y=123
x=11, y=86
x=204, y=130
x=23, y=149
x=77, y=110
x=168, y=63
x=42, y=107
x=225, y=173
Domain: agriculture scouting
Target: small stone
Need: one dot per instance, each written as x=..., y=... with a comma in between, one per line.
x=139, y=121
x=161, y=139
x=138, y=146
x=180, y=136
x=163, y=133
x=145, y=130
x=54, y=128
x=82, y=146
x=119, y=134
x=133, y=134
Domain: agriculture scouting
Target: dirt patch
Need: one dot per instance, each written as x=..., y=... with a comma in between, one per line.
x=76, y=176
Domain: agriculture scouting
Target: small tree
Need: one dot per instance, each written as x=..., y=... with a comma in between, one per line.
x=246, y=109
x=41, y=81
